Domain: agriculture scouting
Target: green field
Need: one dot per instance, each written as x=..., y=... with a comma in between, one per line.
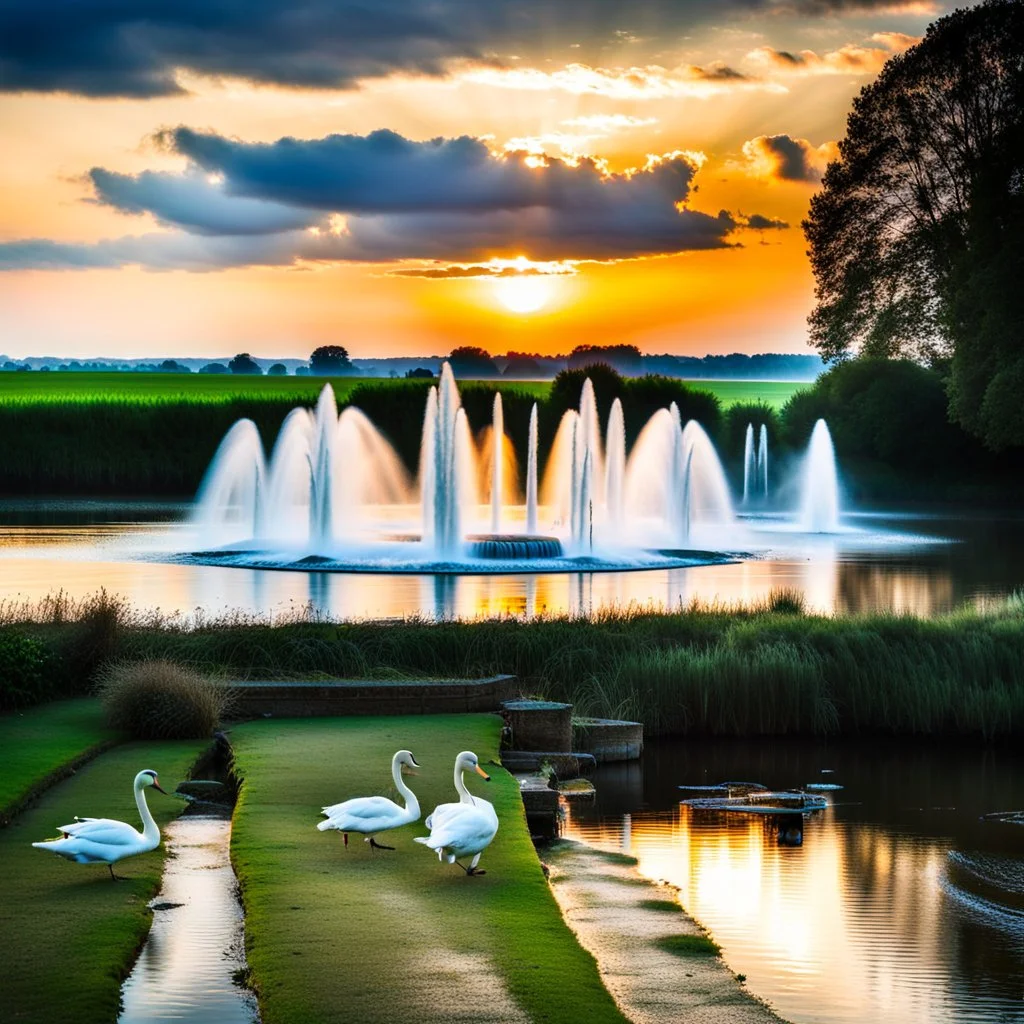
x=61, y=388
x=145, y=388
x=775, y=393
x=153, y=434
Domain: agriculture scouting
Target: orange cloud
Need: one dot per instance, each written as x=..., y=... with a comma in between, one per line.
x=851, y=59
x=783, y=158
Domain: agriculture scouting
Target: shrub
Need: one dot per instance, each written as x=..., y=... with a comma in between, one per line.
x=162, y=700
x=786, y=601
x=23, y=670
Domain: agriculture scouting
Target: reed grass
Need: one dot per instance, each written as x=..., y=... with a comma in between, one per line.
x=761, y=669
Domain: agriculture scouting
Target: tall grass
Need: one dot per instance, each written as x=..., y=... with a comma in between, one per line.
x=739, y=671
x=158, y=700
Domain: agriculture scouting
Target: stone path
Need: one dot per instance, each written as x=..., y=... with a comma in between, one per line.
x=607, y=903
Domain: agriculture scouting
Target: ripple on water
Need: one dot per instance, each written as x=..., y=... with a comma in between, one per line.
x=186, y=970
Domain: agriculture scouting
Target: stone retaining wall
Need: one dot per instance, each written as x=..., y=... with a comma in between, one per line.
x=289, y=699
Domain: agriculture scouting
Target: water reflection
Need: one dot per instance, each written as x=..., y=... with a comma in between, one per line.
x=37, y=555
x=899, y=906
x=184, y=972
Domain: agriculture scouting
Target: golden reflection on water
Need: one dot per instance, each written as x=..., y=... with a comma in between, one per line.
x=37, y=560
x=850, y=926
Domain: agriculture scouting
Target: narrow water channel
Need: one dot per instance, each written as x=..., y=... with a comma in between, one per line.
x=189, y=968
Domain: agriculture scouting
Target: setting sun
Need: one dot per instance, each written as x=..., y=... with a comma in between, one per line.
x=523, y=294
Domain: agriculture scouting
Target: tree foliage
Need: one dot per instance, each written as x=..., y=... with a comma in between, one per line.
x=917, y=235
x=472, y=361
x=244, y=363
x=328, y=360
x=889, y=411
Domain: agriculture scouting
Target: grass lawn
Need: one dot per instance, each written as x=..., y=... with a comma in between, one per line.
x=68, y=933
x=352, y=935
x=38, y=743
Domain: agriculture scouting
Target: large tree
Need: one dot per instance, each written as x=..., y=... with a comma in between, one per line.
x=329, y=360
x=917, y=236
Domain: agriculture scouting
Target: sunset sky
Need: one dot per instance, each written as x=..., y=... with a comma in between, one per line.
x=193, y=178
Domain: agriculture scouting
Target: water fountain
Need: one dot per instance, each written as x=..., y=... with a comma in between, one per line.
x=762, y=461
x=335, y=495
x=749, y=468
x=755, y=465
x=819, y=506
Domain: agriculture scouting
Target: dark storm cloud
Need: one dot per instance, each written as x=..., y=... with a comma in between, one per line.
x=385, y=173
x=608, y=235
x=383, y=198
x=385, y=183
x=758, y=222
x=577, y=215
x=134, y=47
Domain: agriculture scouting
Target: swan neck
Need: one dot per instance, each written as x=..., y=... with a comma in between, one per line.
x=464, y=794
x=150, y=829
x=411, y=803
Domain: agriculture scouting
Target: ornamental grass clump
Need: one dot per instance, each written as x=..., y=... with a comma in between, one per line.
x=162, y=700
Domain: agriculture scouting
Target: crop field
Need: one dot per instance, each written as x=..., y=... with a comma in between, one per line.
x=55, y=388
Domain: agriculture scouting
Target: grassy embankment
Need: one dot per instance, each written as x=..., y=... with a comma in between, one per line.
x=68, y=933
x=350, y=935
x=41, y=745
x=734, y=672
x=764, y=669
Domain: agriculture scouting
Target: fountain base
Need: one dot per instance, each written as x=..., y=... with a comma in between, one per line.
x=512, y=547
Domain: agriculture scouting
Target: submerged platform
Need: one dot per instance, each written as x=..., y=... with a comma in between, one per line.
x=496, y=561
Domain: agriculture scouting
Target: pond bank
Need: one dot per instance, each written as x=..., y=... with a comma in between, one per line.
x=654, y=958
x=45, y=744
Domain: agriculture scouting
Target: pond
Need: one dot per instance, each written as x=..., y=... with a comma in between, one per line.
x=82, y=546
x=900, y=905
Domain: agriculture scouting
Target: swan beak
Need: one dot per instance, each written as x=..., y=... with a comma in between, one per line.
x=482, y=774
x=159, y=788
x=415, y=763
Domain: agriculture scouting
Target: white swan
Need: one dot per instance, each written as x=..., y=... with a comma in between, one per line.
x=464, y=829
x=369, y=815
x=105, y=841
x=466, y=761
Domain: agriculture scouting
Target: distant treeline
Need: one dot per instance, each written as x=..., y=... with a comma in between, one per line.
x=468, y=362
